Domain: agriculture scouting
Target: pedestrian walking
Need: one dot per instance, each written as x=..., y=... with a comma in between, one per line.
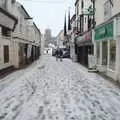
x=59, y=54
x=56, y=54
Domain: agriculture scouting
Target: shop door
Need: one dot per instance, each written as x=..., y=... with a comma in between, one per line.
x=104, y=53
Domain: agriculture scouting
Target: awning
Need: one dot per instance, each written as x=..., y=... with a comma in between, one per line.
x=7, y=20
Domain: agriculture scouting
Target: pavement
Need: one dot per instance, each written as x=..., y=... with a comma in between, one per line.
x=51, y=90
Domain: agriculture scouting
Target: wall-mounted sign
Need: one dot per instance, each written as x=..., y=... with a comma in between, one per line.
x=104, y=31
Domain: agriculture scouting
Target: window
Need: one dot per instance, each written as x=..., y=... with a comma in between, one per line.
x=82, y=23
x=89, y=22
x=112, y=54
x=77, y=9
x=21, y=26
x=6, y=31
x=107, y=10
x=82, y=4
x=85, y=19
x=78, y=24
x=6, y=54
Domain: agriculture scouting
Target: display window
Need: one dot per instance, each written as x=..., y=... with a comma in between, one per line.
x=112, y=54
x=104, y=52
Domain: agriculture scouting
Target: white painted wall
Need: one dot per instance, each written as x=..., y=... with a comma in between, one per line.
x=24, y=31
x=25, y=28
x=5, y=41
x=99, y=15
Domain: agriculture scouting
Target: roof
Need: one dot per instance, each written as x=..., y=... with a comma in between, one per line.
x=8, y=14
x=36, y=27
x=25, y=11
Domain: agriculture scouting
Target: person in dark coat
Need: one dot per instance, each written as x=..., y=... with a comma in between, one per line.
x=59, y=54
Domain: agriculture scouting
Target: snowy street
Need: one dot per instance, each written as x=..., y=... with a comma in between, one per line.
x=50, y=90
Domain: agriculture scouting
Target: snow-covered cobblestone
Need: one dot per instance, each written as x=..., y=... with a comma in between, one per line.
x=50, y=90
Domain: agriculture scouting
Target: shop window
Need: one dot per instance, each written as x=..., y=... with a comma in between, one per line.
x=98, y=52
x=6, y=54
x=104, y=52
x=6, y=31
x=112, y=54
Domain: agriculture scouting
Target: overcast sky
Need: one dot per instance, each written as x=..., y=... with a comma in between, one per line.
x=49, y=13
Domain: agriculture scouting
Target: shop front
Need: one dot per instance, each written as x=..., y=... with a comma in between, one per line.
x=84, y=48
x=105, y=48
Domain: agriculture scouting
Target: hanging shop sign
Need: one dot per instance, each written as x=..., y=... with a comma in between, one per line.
x=105, y=31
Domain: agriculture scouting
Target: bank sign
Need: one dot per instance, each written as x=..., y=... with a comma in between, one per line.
x=104, y=31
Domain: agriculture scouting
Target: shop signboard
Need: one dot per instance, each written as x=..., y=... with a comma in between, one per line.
x=104, y=31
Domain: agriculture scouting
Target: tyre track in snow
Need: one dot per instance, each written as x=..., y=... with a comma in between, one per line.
x=62, y=91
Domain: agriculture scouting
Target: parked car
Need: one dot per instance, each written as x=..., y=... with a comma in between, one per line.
x=66, y=54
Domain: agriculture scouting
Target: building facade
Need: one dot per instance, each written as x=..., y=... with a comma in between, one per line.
x=47, y=37
x=60, y=38
x=26, y=37
x=106, y=37
x=73, y=35
x=20, y=36
x=8, y=24
x=84, y=25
